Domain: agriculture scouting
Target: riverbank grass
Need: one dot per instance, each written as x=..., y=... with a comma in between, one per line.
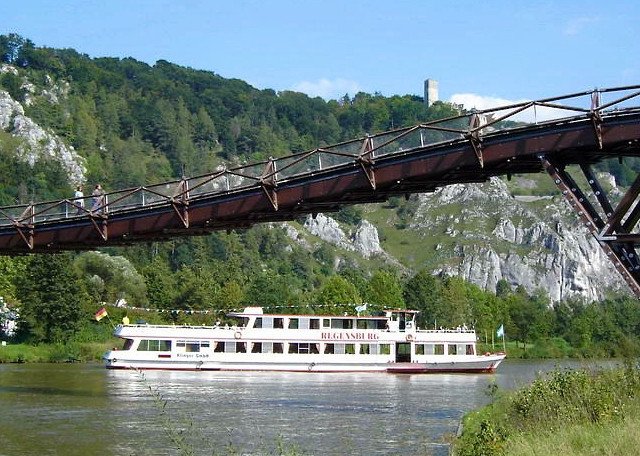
x=53, y=353
x=567, y=412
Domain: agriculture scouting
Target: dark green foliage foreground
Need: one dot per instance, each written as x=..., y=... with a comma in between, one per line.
x=564, y=403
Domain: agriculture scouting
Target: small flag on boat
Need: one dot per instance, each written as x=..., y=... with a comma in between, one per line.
x=500, y=331
x=361, y=308
x=101, y=314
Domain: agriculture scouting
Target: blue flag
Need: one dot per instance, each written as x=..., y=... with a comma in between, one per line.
x=500, y=331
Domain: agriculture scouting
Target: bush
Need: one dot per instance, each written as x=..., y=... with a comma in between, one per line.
x=562, y=399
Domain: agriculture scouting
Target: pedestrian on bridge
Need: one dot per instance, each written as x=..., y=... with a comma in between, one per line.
x=78, y=199
x=98, y=199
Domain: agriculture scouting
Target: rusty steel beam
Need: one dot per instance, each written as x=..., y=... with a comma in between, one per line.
x=621, y=252
x=369, y=169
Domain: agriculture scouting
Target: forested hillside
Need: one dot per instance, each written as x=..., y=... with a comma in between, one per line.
x=126, y=123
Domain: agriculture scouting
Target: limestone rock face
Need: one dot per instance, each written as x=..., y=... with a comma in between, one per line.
x=38, y=142
x=328, y=230
x=364, y=240
x=504, y=238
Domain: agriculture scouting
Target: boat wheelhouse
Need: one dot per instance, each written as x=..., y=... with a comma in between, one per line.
x=307, y=343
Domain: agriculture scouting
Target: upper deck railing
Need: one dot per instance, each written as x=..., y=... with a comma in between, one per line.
x=467, y=126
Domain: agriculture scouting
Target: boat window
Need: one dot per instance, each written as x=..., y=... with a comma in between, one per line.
x=278, y=323
x=258, y=322
x=154, y=345
x=267, y=322
x=438, y=349
x=314, y=349
x=419, y=349
x=229, y=347
x=461, y=349
x=428, y=349
x=326, y=323
x=204, y=344
x=453, y=349
x=338, y=349
x=470, y=350
x=371, y=324
x=256, y=348
x=267, y=347
x=193, y=347
x=303, y=348
x=304, y=323
x=365, y=349
x=342, y=323
x=350, y=349
x=127, y=344
x=314, y=323
x=218, y=347
x=385, y=349
x=241, y=347
x=328, y=349
x=293, y=347
x=293, y=323
x=277, y=347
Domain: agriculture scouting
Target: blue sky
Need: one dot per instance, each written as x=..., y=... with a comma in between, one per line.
x=493, y=52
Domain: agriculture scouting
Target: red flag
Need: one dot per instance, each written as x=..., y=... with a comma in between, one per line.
x=101, y=314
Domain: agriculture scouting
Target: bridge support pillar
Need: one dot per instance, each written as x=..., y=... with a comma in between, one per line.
x=612, y=226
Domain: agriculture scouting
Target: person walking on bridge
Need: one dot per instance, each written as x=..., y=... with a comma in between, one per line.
x=98, y=199
x=78, y=199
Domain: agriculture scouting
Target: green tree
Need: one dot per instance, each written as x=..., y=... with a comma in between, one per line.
x=111, y=278
x=385, y=291
x=423, y=292
x=338, y=295
x=160, y=283
x=51, y=299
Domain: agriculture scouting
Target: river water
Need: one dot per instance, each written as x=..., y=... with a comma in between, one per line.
x=80, y=409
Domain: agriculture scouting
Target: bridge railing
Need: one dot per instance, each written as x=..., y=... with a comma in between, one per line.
x=466, y=126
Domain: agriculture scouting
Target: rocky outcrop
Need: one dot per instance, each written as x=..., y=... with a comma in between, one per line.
x=547, y=250
x=364, y=240
x=38, y=142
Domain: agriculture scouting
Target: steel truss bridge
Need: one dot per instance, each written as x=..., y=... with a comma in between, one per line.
x=564, y=136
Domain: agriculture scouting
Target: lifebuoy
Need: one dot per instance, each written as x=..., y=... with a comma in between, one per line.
x=237, y=335
x=409, y=337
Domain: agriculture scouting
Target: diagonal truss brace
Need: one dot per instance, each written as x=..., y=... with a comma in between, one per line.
x=180, y=202
x=26, y=230
x=475, y=124
x=268, y=181
x=366, y=161
x=596, y=117
x=610, y=234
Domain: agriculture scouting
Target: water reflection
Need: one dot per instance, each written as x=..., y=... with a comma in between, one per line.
x=356, y=413
x=87, y=410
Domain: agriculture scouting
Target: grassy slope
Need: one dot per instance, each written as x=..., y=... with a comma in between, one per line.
x=568, y=413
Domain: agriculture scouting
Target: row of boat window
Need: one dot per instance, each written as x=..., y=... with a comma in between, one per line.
x=316, y=323
x=301, y=347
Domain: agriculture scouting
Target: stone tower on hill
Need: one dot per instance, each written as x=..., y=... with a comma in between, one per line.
x=430, y=91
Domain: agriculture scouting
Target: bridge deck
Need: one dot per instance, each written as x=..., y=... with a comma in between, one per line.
x=470, y=148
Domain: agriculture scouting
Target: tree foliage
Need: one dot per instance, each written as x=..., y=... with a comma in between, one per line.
x=51, y=299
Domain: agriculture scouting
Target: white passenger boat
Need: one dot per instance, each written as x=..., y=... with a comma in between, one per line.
x=306, y=343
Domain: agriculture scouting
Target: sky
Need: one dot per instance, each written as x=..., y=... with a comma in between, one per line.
x=482, y=53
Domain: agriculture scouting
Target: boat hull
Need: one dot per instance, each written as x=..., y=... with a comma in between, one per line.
x=475, y=364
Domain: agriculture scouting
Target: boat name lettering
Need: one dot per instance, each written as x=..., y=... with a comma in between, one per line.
x=349, y=336
x=192, y=355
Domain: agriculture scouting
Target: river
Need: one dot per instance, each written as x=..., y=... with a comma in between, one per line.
x=84, y=409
